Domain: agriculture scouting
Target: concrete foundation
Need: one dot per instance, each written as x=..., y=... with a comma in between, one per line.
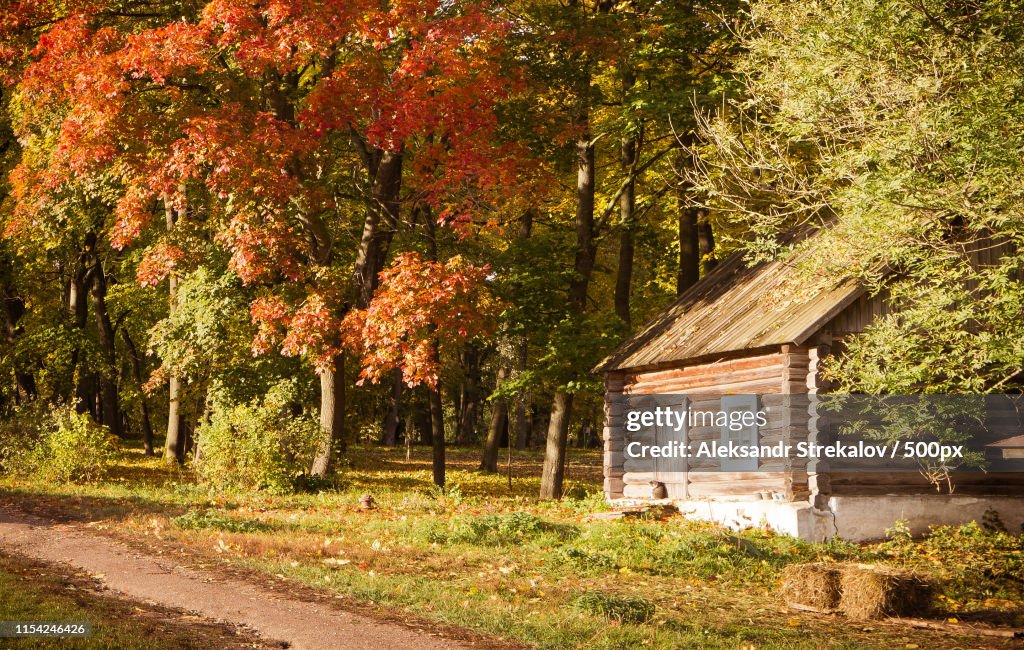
x=796, y=518
x=867, y=518
x=855, y=519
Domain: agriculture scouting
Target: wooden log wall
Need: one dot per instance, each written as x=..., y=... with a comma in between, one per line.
x=784, y=370
x=774, y=374
x=614, y=383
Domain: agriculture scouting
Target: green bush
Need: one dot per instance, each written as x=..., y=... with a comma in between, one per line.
x=618, y=608
x=54, y=443
x=256, y=446
x=19, y=432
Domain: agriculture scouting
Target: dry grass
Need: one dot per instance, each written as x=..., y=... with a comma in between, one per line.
x=814, y=585
x=464, y=556
x=874, y=591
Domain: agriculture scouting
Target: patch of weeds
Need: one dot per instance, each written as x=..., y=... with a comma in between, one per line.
x=420, y=502
x=575, y=492
x=659, y=512
x=312, y=483
x=989, y=563
x=501, y=529
x=584, y=501
x=623, y=609
x=587, y=561
x=451, y=493
x=685, y=550
x=212, y=520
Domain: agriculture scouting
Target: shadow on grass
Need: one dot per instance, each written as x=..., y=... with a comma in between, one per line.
x=84, y=508
x=584, y=465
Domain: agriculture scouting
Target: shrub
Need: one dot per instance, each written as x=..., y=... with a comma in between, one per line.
x=19, y=432
x=54, y=443
x=255, y=446
x=618, y=608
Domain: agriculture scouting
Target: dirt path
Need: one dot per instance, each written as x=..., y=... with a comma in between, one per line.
x=300, y=624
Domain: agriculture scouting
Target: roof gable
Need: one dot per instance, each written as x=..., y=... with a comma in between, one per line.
x=736, y=307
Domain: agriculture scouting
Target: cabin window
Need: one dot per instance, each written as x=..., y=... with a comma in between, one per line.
x=733, y=406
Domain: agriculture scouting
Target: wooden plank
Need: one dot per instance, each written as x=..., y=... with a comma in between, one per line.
x=639, y=478
x=685, y=384
x=705, y=369
x=749, y=487
x=725, y=477
x=753, y=387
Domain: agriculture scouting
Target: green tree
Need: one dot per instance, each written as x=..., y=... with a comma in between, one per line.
x=898, y=125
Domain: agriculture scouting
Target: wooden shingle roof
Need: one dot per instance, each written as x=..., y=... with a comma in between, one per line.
x=736, y=307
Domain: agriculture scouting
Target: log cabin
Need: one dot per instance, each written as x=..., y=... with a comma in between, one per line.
x=760, y=332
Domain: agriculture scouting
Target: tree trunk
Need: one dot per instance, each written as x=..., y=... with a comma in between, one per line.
x=13, y=308
x=111, y=401
x=522, y=423
x=538, y=423
x=393, y=418
x=174, y=443
x=497, y=429
x=586, y=245
x=136, y=365
x=624, y=275
x=689, y=250
x=707, y=243
x=470, y=396
x=425, y=422
x=385, y=171
x=627, y=211
x=499, y=424
x=409, y=427
x=437, y=434
x=688, y=271
x=78, y=308
x=434, y=404
x=332, y=417
x=379, y=226
x=554, y=453
x=586, y=253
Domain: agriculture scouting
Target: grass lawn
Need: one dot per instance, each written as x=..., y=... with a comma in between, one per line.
x=31, y=591
x=489, y=557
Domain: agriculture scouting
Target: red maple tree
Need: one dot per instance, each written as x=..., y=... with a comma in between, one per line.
x=250, y=116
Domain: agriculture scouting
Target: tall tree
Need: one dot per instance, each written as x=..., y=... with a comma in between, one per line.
x=260, y=110
x=895, y=128
x=422, y=310
x=623, y=69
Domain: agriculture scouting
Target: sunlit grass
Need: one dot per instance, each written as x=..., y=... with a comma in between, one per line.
x=480, y=554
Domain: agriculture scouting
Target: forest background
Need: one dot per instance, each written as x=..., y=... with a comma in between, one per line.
x=246, y=234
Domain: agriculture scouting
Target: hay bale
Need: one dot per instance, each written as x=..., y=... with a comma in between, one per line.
x=814, y=586
x=874, y=591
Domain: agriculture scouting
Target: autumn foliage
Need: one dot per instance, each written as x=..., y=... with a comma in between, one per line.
x=249, y=115
x=420, y=306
